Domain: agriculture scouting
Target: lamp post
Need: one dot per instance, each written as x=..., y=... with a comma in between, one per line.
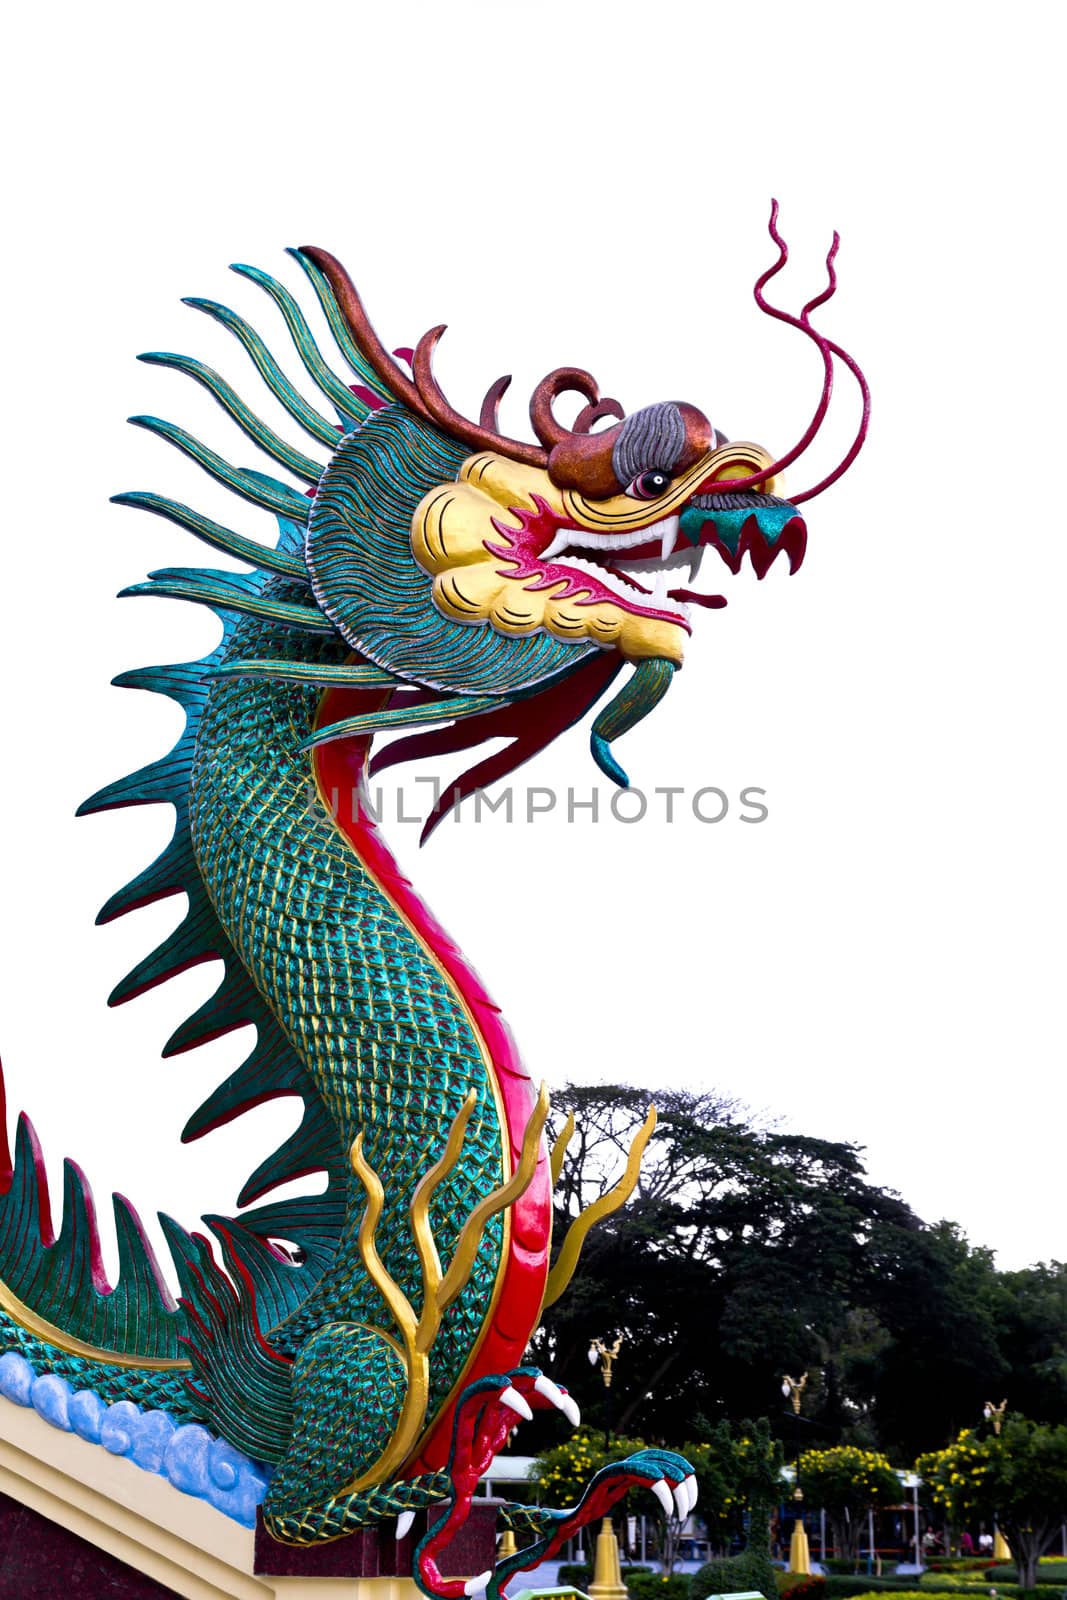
x=799, y=1552
x=607, y=1581
x=995, y=1415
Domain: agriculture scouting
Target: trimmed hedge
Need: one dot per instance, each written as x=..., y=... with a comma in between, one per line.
x=1051, y=1570
x=960, y=1564
x=733, y=1574
x=654, y=1586
x=1044, y=1591
x=800, y=1585
x=579, y=1574
x=930, y=1584
x=838, y=1585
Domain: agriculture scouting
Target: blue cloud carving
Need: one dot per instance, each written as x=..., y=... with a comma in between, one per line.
x=189, y=1456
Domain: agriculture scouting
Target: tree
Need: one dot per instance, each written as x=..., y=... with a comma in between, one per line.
x=1019, y=1477
x=936, y=1296
x=846, y=1482
x=740, y=1482
x=738, y=1256
x=1031, y=1317
x=746, y=1252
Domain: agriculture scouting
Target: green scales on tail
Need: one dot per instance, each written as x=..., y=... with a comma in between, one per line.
x=431, y=575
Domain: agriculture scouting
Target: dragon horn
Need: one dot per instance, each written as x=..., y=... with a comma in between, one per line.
x=423, y=395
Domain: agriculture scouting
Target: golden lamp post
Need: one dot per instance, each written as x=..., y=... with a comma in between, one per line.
x=607, y=1581
x=799, y=1552
x=995, y=1415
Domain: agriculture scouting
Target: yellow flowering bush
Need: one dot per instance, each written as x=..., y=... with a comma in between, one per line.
x=846, y=1481
x=1019, y=1476
x=563, y=1472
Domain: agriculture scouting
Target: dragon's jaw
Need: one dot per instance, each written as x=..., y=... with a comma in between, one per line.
x=506, y=547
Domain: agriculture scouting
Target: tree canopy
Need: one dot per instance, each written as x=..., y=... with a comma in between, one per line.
x=1017, y=1477
x=847, y=1482
x=746, y=1252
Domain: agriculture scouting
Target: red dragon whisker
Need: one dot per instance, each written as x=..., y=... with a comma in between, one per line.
x=861, y=432
x=831, y=282
x=827, y=349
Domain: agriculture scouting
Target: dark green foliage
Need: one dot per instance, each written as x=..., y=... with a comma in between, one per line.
x=840, y=1584
x=654, y=1586
x=733, y=1574
x=575, y=1575
x=747, y=1253
x=976, y=1564
x=579, y=1575
x=839, y=1587
x=1053, y=1571
x=801, y=1586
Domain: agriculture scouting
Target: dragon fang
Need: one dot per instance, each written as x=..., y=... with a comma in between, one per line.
x=435, y=576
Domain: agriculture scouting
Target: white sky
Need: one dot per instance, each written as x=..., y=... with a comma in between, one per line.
x=881, y=959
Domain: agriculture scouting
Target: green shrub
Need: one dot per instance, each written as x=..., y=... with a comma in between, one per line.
x=955, y=1580
x=1048, y=1571
x=959, y=1564
x=944, y=1583
x=579, y=1575
x=732, y=1574
x=848, y=1588
x=654, y=1586
x=838, y=1585
x=800, y=1585
x=904, y=1594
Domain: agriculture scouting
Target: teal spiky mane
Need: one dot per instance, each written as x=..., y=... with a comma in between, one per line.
x=352, y=1015
x=62, y=1278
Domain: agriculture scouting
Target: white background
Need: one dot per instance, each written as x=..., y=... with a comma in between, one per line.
x=881, y=960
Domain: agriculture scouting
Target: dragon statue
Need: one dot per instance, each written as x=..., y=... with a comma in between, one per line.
x=434, y=577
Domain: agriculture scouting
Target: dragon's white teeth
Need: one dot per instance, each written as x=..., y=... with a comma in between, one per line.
x=663, y=1495
x=623, y=590
x=579, y=539
x=403, y=1524
x=512, y=1398
x=477, y=1585
x=694, y=1492
x=559, y=543
x=561, y=1401
x=681, y=1501
x=670, y=535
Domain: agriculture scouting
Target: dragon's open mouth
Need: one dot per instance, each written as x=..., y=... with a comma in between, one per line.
x=658, y=565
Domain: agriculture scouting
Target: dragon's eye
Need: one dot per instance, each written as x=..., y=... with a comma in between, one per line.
x=648, y=485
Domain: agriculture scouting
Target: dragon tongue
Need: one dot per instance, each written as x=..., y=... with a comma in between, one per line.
x=691, y=597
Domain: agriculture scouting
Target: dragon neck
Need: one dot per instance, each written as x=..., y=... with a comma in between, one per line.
x=390, y=1023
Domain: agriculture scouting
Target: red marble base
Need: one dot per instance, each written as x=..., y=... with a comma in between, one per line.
x=376, y=1553
x=39, y=1560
